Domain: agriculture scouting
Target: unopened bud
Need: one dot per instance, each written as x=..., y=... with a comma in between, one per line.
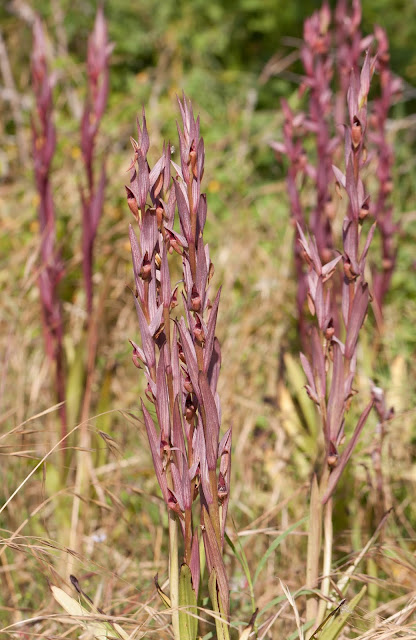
x=199, y=335
x=364, y=211
x=356, y=132
x=349, y=273
x=195, y=300
x=222, y=488
x=189, y=409
x=146, y=271
x=158, y=185
x=332, y=460
x=329, y=331
x=193, y=158
x=159, y=217
x=132, y=203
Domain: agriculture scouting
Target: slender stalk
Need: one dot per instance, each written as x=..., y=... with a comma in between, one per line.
x=174, y=573
x=327, y=562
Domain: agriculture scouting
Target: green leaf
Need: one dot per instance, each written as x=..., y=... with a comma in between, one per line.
x=275, y=544
x=239, y=553
x=188, y=622
x=332, y=631
x=221, y=624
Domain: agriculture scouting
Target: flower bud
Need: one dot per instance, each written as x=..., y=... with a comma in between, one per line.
x=356, y=133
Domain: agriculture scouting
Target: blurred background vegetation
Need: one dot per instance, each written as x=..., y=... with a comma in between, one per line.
x=235, y=59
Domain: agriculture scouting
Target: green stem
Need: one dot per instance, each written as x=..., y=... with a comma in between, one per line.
x=328, y=540
x=174, y=573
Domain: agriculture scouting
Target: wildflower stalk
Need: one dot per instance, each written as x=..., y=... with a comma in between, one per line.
x=382, y=208
x=328, y=54
x=331, y=366
x=92, y=200
x=51, y=268
x=181, y=360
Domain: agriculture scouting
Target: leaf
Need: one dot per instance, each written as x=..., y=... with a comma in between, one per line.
x=242, y=558
x=210, y=420
x=314, y=546
x=74, y=608
x=188, y=622
x=249, y=628
x=332, y=631
x=221, y=625
x=275, y=544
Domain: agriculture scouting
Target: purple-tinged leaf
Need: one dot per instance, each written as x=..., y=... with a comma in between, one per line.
x=194, y=564
x=152, y=298
x=356, y=320
x=308, y=372
x=186, y=482
x=166, y=170
x=329, y=268
x=364, y=81
x=336, y=405
x=143, y=136
x=214, y=366
x=184, y=153
x=190, y=356
x=162, y=397
x=215, y=560
x=149, y=233
x=170, y=206
x=138, y=352
x=165, y=289
x=176, y=372
x=143, y=183
x=210, y=333
x=319, y=304
x=176, y=239
x=200, y=456
x=350, y=242
x=196, y=192
x=177, y=429
x=156, y=321
x=339, y=176
x=211, y=425
x=351, y=188
x=224, y=453
x=202, y=213
x=177, y=168
x=201, y=271
x=177, y=483
x=147, y=340
x=367, y=246
x=183, y=209
x=318, y=364
x=346, y=454
x=154, y=442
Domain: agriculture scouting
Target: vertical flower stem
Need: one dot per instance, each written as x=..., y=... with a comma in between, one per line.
x=174, y=573
x=327, y=563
